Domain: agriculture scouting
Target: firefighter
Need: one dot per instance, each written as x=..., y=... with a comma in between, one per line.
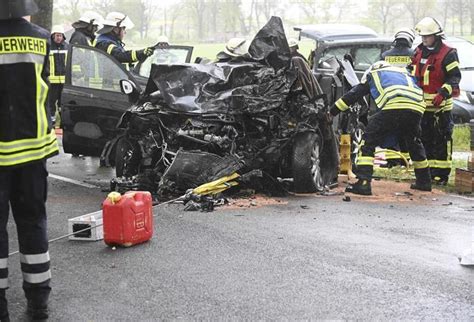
x=85, y=29
x=26, y=141
x=235, y=49
x=294, y=46
x=401, y=106
x=111, y=36
x=401, y=53
x=436, y=68
x=57, y=68
x=399, y=56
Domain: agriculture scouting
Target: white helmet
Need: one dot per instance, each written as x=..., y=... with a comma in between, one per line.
x=405, y=33
x=292, y=42
x=57, y=29
x=375, y=66
x=429, y=26
x=118, y=19
x=236, y=47
x=91, y=17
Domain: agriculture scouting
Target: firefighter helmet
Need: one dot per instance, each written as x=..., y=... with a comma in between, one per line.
x=407, y=34
x=91, y=17
x=375, y=66
x=292, y=42
x=429, y=26
x=10, y=9
x=58, y=29
x=236, y=47
x=115, y=19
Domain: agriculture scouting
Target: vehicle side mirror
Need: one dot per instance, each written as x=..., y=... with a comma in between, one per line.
x=129, y=88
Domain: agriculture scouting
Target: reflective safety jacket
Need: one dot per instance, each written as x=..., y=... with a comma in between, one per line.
x=399, y=56
x=437, y=71
x=25, y=133
x=80, y=37
x=57, y=62
x=114, y=47
x=392, y=88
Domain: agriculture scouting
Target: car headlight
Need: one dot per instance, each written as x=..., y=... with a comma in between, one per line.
x=463, y=97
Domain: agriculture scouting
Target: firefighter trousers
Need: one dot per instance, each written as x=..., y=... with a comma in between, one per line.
x=436, y=133
x=54, y=98
x=24, y=189
x=402, y=123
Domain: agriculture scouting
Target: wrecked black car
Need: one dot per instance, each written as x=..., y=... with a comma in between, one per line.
x=262, y=116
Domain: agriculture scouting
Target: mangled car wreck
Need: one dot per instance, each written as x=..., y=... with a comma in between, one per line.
x=261, y=117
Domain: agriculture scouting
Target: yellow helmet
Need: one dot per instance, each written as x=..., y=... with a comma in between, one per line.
x=429, y=26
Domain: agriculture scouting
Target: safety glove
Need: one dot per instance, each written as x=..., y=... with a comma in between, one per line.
x=148, y=51
x=438, y=99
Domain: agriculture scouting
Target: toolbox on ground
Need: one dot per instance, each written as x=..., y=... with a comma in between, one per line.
x=128, y=218
x=83, y=226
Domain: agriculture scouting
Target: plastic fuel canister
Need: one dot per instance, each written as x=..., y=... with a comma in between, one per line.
x=127, y=218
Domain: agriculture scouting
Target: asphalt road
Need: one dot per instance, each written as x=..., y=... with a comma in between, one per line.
x=310, y=257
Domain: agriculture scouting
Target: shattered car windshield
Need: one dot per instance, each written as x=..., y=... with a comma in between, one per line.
x=164, y=56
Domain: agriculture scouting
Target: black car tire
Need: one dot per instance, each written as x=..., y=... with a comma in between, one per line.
x=307, y=176
x=127, y=158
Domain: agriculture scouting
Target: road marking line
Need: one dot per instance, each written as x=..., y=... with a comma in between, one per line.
x=79, y=183
x=463, y=197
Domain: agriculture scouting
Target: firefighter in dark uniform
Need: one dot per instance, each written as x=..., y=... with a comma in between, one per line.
x=401, y=106
x=57, y=68
x=85, y=29
x=436, y=67
x=111, y=36
x=26, y=141
x=399, y=56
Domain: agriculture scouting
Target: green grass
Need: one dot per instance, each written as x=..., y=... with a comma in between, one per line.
x=461, y=143
x=461, y=138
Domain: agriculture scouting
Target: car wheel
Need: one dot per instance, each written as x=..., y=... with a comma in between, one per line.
x=127, y=158
x=307, y=175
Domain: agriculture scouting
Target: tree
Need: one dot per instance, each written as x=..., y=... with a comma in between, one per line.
x=44, y=17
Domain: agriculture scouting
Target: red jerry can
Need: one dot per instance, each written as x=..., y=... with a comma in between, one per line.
x=128, y=218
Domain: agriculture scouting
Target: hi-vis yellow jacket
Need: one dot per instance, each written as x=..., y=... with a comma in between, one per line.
x=392, y=88
x=26, y=134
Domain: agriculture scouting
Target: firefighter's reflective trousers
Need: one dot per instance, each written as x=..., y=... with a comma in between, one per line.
x=24, y=189
x=436, y=133
x=405, y=124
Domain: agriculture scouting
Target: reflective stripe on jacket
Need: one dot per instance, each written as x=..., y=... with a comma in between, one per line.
x=26, y=134
x=398, y=56
x=394, y=88
x=431, y=76
x=57, y=63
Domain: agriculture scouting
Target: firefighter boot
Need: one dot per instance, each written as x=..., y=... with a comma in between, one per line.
x=37, y=311
x=361, y=187
x=423, y=180
x=4, y=317
x=421, y=186
x=37, y=299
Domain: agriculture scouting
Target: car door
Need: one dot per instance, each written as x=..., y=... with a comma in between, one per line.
x=92, y=101
x=169, y=55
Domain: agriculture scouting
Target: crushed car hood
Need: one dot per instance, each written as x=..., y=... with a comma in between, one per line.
x=258, y=82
